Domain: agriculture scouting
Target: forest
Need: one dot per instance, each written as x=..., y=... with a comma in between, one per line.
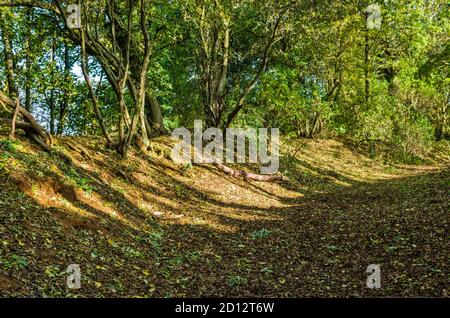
x=92, y=93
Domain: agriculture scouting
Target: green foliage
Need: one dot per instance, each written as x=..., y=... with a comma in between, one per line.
x=8, y=145
x=155, y=239
x=15, y=261
x=327, y=74
x=77, y=180
x=8, y=149
x=261, y=234
x=132, y=253
x=53, y=271
x=236, y=280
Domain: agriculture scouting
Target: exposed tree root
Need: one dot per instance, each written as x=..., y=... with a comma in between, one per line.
x=85, y=153
x=28, y=122
x=13, y=121
x=27, y=128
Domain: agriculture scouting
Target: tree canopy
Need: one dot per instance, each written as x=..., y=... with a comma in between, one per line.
x=135, y=69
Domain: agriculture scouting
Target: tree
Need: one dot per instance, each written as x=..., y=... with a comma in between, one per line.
x=228, y=63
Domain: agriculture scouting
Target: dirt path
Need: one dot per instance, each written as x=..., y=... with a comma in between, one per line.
x=322, y=244
x=200, y=233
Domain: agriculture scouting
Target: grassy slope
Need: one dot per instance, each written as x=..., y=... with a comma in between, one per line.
x=160, y=232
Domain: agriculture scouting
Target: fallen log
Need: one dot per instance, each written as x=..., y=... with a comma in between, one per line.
x=236, y=173
x=248, y=175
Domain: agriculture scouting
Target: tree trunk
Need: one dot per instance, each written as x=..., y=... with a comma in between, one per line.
x=9, y=61
x=98, y=115
x=154, y=115
x=52, y=91
x=139, y=92
x=28, y=80
x=65, y=104
x=366, y=70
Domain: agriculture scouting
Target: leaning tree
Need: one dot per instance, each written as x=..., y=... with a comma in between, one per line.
x=123, y=36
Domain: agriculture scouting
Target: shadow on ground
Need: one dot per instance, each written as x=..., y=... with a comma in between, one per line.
x=156, y=233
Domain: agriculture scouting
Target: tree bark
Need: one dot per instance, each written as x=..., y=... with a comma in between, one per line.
x=65, y=104
x=13, y=121
x=366, y=70
x=9, y=60
x=28, y=64
x=98, y=115
x=140, y=93
x=52, y=90
x=31, y=126
x=248, y=175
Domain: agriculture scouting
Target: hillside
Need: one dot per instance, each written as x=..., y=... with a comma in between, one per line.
x=140, y=227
